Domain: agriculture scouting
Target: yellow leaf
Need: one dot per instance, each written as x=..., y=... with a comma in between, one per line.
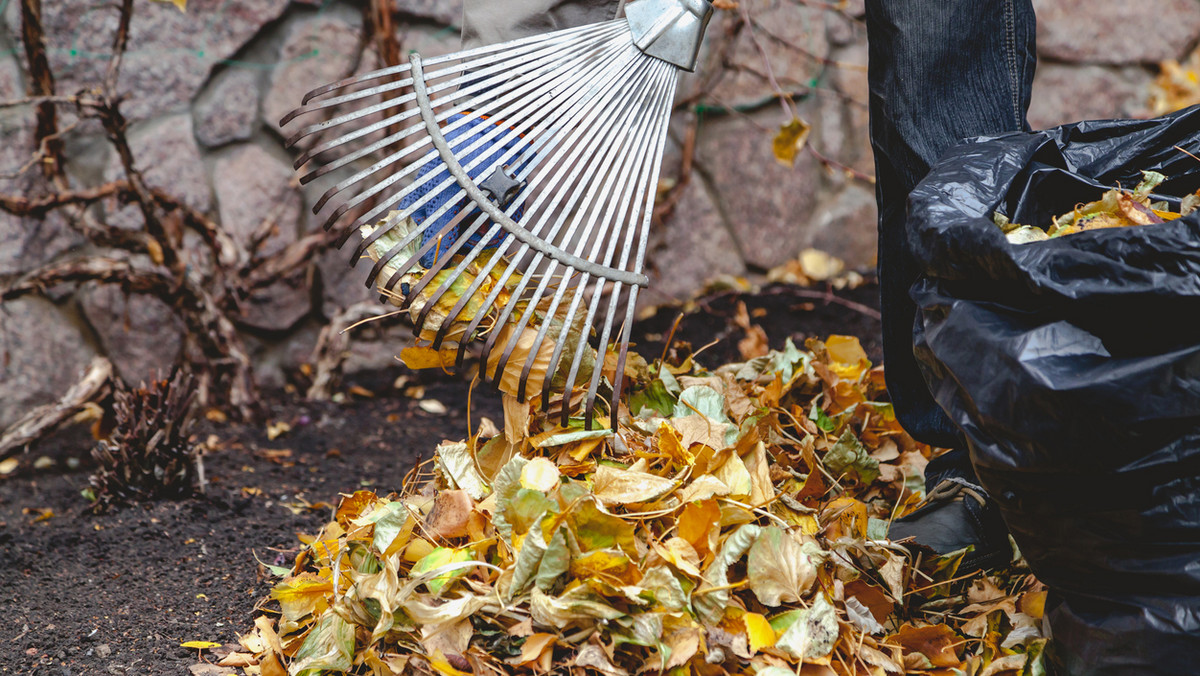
x=417, y=358
x=540, y=474
x=849, y=358
x=302, y=595
x=199, y=645
x=759, y=631
x=181, y=4
x=790, y=140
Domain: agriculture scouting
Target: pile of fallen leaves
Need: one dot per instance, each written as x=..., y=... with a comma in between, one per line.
x=1116, y=208
x=733, y=523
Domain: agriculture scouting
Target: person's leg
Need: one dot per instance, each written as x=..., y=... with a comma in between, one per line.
x=939, y=71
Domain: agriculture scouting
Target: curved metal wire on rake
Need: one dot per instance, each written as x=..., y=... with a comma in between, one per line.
x=580, y=115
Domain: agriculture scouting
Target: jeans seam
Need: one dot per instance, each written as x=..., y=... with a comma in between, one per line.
x=1010, y=46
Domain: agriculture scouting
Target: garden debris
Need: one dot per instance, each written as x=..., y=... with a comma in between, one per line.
x=149, y=453
x=734, y=523
x=1117, y=208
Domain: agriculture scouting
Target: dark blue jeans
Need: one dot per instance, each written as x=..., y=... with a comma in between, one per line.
x=939, y=71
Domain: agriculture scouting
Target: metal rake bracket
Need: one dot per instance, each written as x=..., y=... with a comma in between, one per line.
x=544, y=153
x=502, y=187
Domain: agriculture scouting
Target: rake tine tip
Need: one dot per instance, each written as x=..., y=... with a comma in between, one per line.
x=283, y=121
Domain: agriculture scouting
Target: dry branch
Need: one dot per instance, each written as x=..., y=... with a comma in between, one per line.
x=45, y=419
x=333, y=347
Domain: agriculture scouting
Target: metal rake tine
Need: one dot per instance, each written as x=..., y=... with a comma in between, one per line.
x=513, y=96
x=388, y=71
x=492, y=76
x=490, y=80
x=619, y=114
x=650, y=155
x=500, y=251
x=598, y=368
x=616, y=115
x=357, y=95
x=561, y=343
x=623, y=343
x=627, y=181
x=465, y=63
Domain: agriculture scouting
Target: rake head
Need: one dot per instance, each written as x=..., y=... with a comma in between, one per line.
x=506, y=192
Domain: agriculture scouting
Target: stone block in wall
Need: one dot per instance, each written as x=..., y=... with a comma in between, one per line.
x=445, y=12
x=769, y=205
x=140, y=334
x=341, y=285
x=793, y=35
x=169, y=54
x=1066, y=93
x=42, y=353
x=227, y=109
x=166, y=154
x=253, y=186
x=692, y=247
x=1086, y=31
x=316, y=51
x=847, y=227
x=26, y=243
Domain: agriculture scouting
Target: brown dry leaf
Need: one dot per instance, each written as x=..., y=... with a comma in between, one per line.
x=936, y=642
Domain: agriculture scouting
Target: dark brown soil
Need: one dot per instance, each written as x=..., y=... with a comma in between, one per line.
x=118, y=593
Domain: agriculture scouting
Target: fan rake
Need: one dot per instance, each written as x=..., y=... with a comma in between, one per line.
x=502, y=190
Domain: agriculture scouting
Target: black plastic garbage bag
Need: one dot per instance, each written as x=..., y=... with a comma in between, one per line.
x=1073, y=367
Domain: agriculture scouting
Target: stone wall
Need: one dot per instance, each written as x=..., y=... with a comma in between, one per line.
x=204, y=90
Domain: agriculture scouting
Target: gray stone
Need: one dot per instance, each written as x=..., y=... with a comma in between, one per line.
x=11, y=85
x=42, y=353
x=140, y=334
x=252, y=186
x=166, y=154
x=1063, y=94
x=343, y=286
x=848, y=227
x=767, y=203
x=849, y=78
x=374, y=349
x=794, y=38
x=693, y=246
x=447, y=12
x=1087, y=31
x=316, y=51
x=227, y=110
x=169, y=55
x=844, y=29
x=26, y=243
x=278, y=307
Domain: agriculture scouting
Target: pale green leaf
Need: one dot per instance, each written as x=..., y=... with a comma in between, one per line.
x=807, y=633
x=328, y=647
x=848, y=457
